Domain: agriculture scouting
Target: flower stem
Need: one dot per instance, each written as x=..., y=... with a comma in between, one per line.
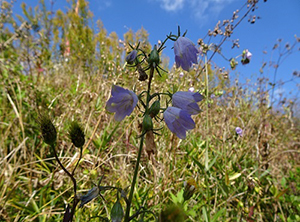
x=207, y=136
x=127, y=213
x=75, y=200
x=127, y=219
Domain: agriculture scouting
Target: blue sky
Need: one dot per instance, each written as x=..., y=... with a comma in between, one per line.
x=279, y=19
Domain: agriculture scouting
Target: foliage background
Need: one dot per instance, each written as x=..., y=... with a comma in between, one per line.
x=58, y=64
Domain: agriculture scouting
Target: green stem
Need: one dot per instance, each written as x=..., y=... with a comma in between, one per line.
x=136, y=170
x=75, y=200
x=134, y=180
x=207, y=137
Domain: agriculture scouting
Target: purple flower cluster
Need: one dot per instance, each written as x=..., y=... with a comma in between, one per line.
x=178, y=117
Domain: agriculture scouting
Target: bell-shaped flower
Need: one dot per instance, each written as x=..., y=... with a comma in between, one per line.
x=185, y=53
x=122, y=102
x=239, y=131
x=187, y=101
x=178, y=121
x=130, y=58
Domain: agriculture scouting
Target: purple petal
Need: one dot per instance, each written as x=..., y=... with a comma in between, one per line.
x=122, y=102
x=187, y=101
x=178, y=121
x=185, y=53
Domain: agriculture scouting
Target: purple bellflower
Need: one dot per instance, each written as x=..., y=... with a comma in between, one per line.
x=187, y=101
x=130, y=58
x=122, y=102
x=178, y=121
x=239, y=131
x=185, y=53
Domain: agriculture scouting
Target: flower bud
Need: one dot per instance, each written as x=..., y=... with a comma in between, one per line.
x=117, y=212
x=154, y=57
x=233, y=63
x=130, y=58
x=154, y=109
x=142, y=74
x=147, y=123
x=48, y=130
x=76, y=134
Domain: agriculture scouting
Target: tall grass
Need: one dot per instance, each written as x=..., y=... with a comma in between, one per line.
x=250, y=178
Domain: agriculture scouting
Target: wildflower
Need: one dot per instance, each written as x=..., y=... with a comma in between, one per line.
x=178, y=121
x=185, y=53
x=130, y=58
x=181, y=74
x=239, y=131
x=187, y=101
x=191, y=89
x=122, y=102
x=246, y=57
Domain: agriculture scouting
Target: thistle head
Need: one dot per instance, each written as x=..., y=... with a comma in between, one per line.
x=48, y=130
x=76, y=134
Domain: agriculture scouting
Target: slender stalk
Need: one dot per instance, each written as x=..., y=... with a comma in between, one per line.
x=75, y=201
x=134, y=180
x=207, y=135
x=127, y=213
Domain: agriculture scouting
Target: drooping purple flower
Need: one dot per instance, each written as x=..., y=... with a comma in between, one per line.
x=122, y=102
x=178, y=121
x=185, y=53
x=239, y=131
x=187, y=101
x=130, y=58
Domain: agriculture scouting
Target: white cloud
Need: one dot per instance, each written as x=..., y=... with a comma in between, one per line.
x=200, y=9
x=172, y=5
x=103, y=4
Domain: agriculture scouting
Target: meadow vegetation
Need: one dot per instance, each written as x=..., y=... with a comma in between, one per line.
x=63, y=66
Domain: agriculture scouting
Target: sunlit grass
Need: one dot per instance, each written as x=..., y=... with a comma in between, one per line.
x=250, y=178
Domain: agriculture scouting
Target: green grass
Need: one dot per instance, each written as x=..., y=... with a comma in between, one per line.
x=251, y=178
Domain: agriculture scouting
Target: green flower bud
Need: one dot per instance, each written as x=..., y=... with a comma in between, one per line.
x=233, y=63
x=147, y=123
x=76, y=134
x=117, y=212
x=48, y=130
x=154, y=109
x=154, y=57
